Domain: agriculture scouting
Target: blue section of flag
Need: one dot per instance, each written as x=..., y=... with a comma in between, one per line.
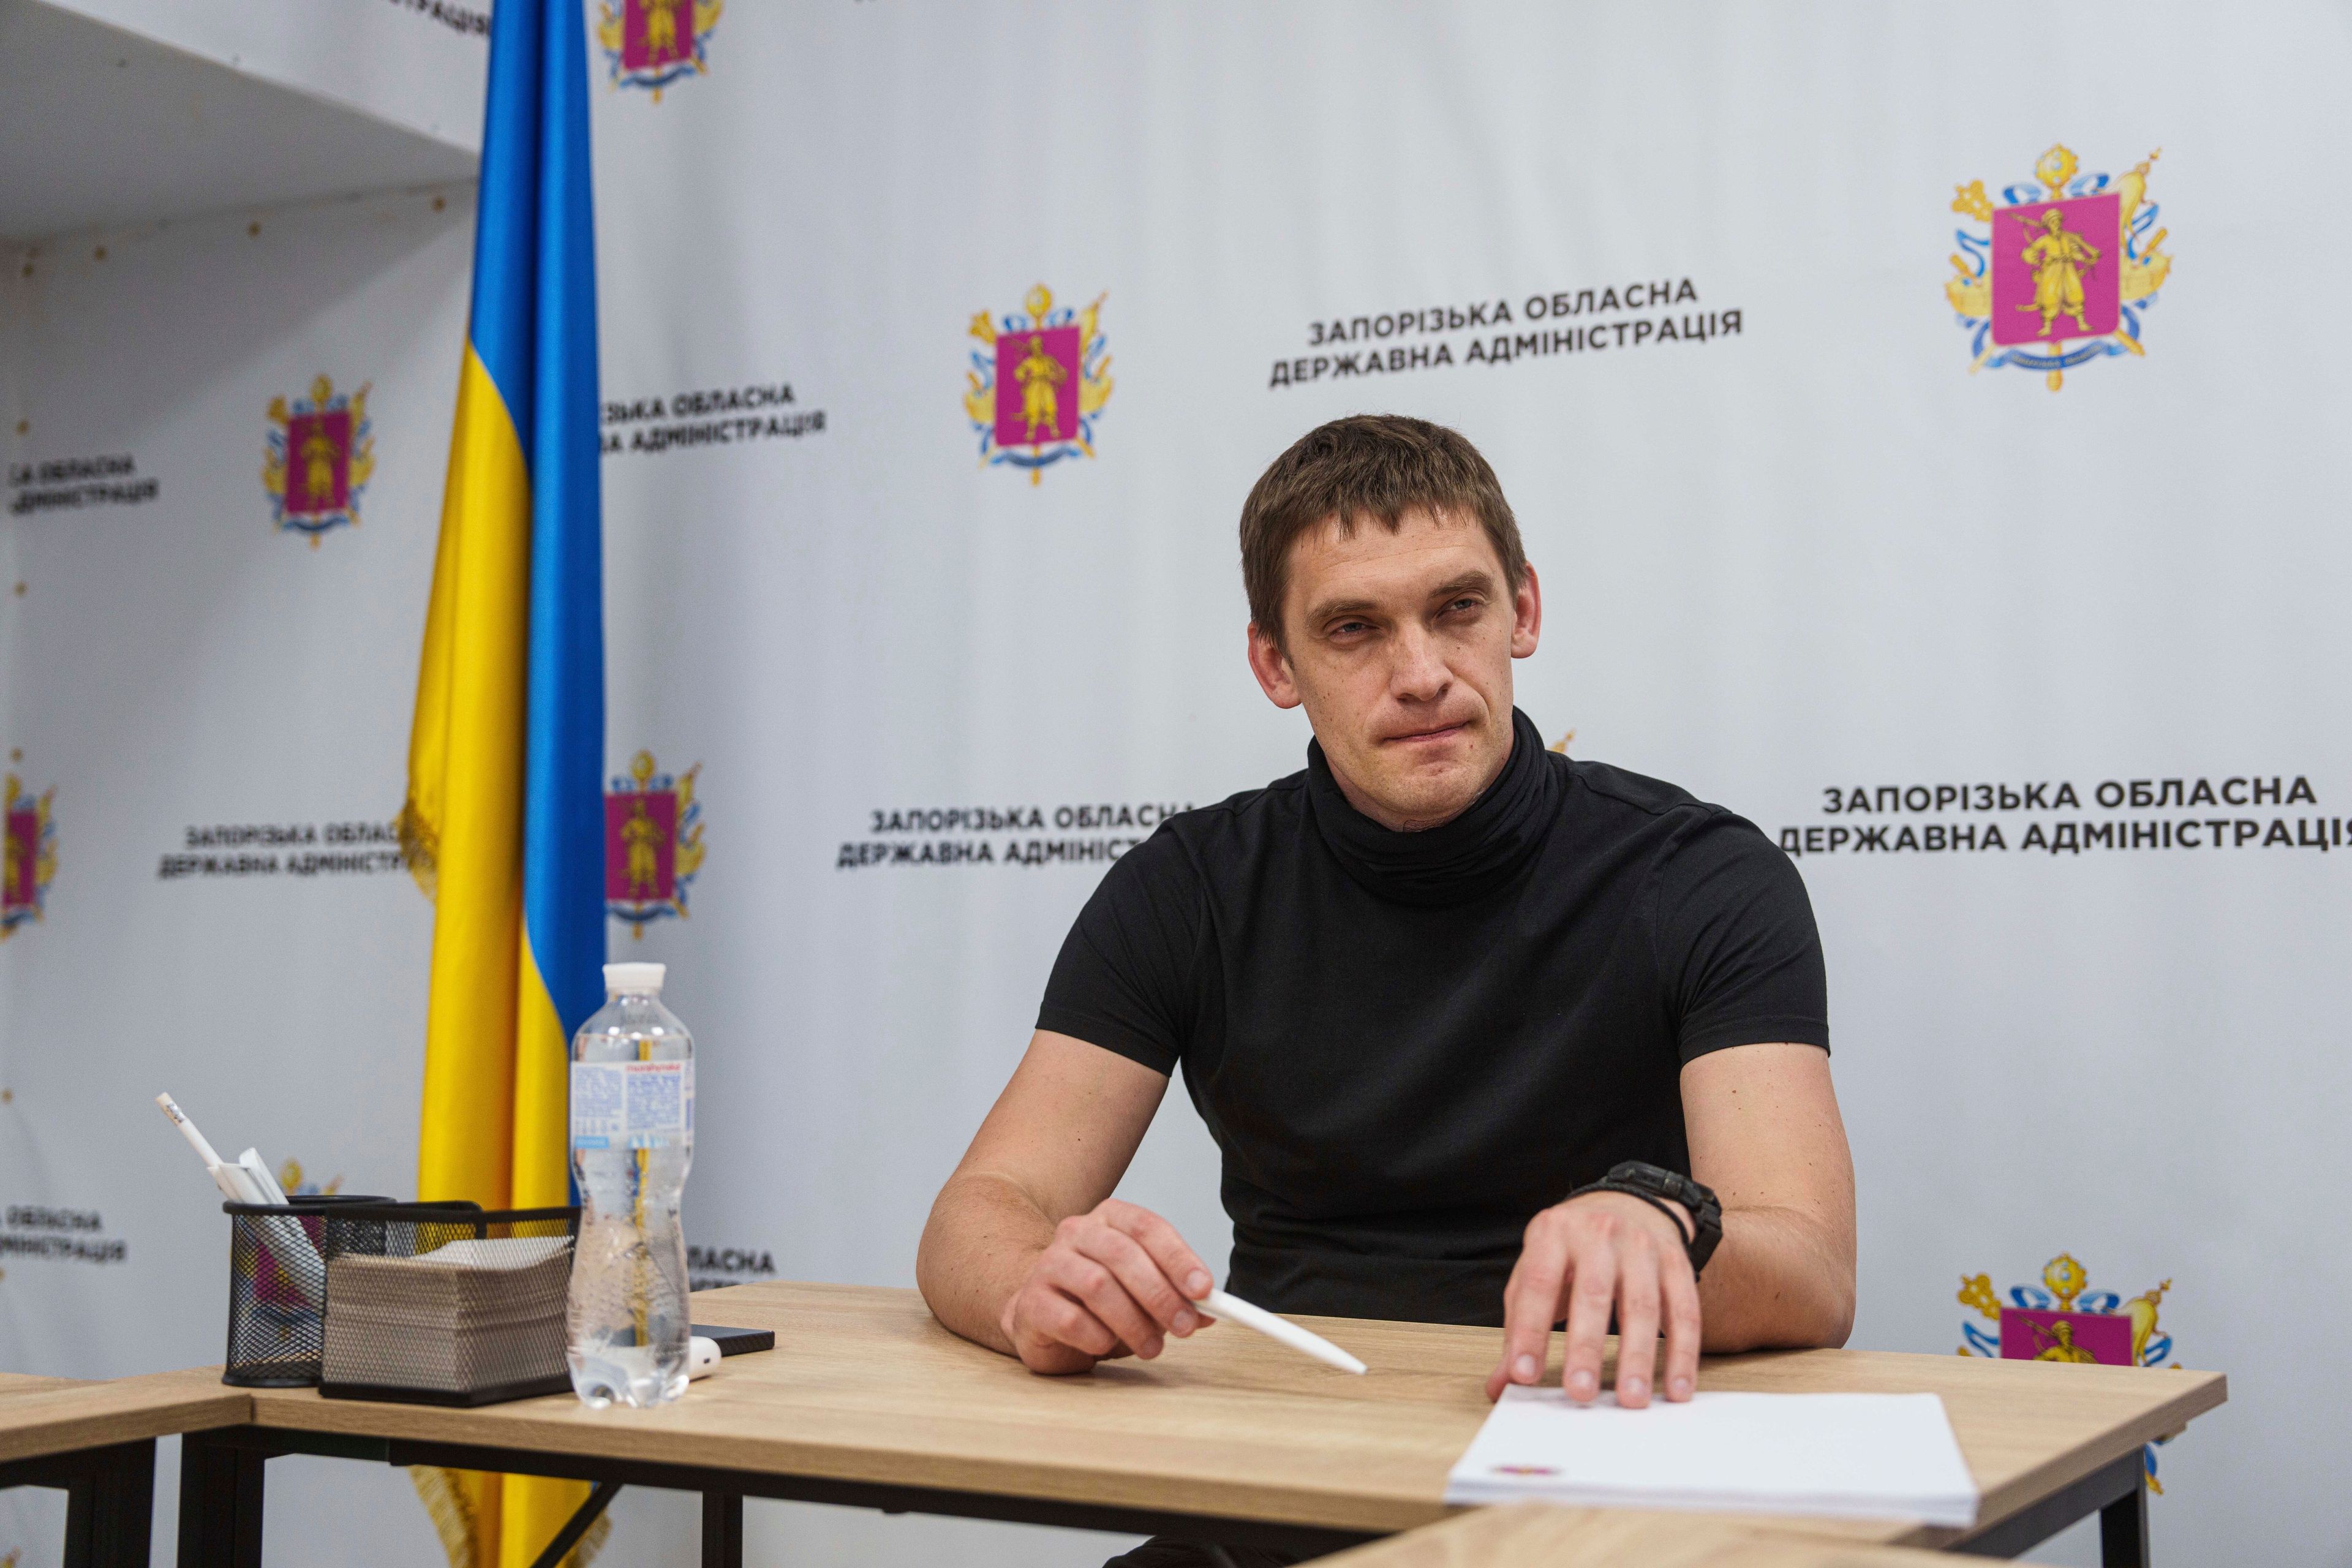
x=563, y=800
x=534, y=328
x=506, y=232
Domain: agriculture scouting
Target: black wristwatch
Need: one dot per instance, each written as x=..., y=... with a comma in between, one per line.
x=1653, y=1184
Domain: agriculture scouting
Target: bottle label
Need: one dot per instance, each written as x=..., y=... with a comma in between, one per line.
x=631, y=1105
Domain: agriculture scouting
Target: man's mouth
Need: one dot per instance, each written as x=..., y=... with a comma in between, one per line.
x=1434, y=732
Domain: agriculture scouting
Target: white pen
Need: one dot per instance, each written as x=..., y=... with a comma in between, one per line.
x=234, y=1183
x=1216, y=1303
x=298, y=1257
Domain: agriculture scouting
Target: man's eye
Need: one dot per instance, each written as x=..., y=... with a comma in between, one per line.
x=1469, y=605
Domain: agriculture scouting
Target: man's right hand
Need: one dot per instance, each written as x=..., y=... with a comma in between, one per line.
x=1116, y=1280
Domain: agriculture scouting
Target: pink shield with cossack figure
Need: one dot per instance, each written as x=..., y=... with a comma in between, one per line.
x=655, y=33
x=652, y=842
x=30, y=856
x=319, y=463
x=22, y=889
x=2057, y=270
x=318, y=459
x=640, y=846
x=652, y=43
x=2101, y=1339
x=1039, y=375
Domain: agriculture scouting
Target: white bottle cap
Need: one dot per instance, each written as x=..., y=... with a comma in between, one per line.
x=634, y=979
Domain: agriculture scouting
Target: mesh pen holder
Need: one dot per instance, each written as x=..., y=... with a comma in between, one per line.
x=276, y=1289
x=429, y=1304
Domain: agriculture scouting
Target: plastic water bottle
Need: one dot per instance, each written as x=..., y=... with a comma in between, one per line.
x=632, y=1144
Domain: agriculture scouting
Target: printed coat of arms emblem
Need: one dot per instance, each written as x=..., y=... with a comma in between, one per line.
x=30, y=857
x=2067, y=257
x=652, y=43
x=1038, y=384
x=2062, y=1320
x=653, y=842
x=321, y=452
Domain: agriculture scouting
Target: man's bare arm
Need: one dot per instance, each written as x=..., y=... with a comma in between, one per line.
x=1026, y=1252
x=1765, y=1134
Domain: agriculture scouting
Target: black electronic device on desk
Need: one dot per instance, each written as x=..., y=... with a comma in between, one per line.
x=736, y=1341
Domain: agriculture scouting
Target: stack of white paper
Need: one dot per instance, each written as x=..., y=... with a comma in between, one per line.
x=1861, y=1456
x=470, y=1316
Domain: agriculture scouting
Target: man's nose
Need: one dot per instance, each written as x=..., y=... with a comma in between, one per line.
x=1419, y=674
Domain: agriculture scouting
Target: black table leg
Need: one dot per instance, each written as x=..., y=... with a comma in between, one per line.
x=220, y=1503
x=110, y=1507
x=2123, y=1529
x=600, y=1498
x=722, y=1530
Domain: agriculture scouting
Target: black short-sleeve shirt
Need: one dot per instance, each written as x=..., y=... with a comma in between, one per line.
x=1407, y=1045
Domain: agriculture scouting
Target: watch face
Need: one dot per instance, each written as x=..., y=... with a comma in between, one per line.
x=1664, y=1183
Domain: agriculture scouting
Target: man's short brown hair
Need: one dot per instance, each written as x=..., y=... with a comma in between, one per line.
x=1367, y=465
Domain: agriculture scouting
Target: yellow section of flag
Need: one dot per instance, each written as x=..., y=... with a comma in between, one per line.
x=465, y=799
x=488, y=1131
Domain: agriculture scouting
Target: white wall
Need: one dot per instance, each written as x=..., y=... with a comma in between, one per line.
x=414, y=63
x=180, y=663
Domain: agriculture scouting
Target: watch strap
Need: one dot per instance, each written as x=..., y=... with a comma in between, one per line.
x=1653, y=1184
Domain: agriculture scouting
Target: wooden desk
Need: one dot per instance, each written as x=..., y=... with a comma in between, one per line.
x=868, y=1401
x=97, y=1442
x=1531, y=1535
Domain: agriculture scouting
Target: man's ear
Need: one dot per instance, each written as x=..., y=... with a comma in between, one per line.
x=1527, y=615
x=1272, y=668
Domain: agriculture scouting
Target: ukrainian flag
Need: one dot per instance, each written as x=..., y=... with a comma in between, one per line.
x=504, y=820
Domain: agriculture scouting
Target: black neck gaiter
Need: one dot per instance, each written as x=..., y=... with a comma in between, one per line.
x=1473, y=855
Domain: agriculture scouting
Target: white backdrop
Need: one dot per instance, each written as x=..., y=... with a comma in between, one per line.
x=1815, y=553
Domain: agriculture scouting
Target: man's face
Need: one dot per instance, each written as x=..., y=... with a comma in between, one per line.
x=1400, y=646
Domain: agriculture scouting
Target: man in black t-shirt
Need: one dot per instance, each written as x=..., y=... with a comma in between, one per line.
x=1425, y=994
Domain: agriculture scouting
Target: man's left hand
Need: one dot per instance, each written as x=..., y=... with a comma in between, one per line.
x=1582, y=1258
